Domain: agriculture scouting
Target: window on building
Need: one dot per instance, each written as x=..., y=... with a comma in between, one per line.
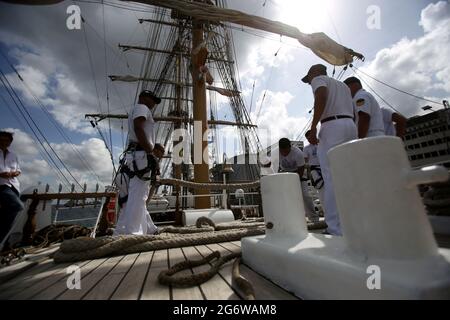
x=434, y=154
x=438, y=141
x=423, y=144
x=431, y=143
x=419, y=156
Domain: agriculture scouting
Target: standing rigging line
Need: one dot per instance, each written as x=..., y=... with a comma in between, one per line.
x=107, y=91
x=14, y=96
x=95, y=84
x=397, y=89
x=251, y=99
x=46, y=159
x=379, y=96
x=50, y=117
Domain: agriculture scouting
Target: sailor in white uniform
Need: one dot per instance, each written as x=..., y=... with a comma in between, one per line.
x=369, y=119
x=394, y=123
x=333, y=108
x=141, y=162
x=312, y=160
x=293, y=160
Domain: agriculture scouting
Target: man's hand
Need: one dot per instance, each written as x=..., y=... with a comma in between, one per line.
x=5, y=175
x=313, y=135
x=9, y=175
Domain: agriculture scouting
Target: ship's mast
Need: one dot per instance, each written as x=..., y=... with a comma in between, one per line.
x=201, y=167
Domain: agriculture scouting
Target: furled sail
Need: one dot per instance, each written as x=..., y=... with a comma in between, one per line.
x=319, y=43
x=323, y=46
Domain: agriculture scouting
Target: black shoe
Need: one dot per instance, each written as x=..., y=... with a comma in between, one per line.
x=326, y=232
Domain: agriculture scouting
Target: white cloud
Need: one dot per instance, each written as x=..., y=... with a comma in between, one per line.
x=274, y=121
x=94, y=156
x=419, y=66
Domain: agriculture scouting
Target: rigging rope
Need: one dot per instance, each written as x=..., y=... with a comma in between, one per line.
x=378, y=95
x=8, y=88
x=397, y=89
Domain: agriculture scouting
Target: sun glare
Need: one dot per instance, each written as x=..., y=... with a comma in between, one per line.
x=309, y=16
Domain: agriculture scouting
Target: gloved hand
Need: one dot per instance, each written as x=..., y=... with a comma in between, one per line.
x=153, y=162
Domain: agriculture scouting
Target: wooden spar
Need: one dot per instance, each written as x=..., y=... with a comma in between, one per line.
x=173, y=119
x=126, y=48
x=67, y=196
x=201, y=167
x=319, y=43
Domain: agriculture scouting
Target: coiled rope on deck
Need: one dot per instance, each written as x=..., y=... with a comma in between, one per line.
x=88, y=248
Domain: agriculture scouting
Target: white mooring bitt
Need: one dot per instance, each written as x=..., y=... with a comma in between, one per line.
x=388, y=250
x=189, y=217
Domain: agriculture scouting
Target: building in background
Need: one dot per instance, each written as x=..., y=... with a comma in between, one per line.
x=427, y=139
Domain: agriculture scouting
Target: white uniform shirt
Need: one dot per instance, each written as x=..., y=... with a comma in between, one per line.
x=141, y=110
x=310, y=152
x=339, y=100
x=389, y=128
x=8, y=164
x=365, y=102
x=293, y=160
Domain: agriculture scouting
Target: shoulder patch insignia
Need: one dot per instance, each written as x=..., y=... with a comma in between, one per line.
x=360, y=102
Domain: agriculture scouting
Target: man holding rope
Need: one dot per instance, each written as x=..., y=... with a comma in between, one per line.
x=141, y=163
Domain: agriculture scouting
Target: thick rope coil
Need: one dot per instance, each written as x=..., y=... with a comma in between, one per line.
x=210, y=186
x=167, y=277
x=88, y=248
x=242, y=285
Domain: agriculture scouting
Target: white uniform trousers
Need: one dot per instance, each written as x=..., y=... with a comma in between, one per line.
x=135, y=218
x=375, y=133
x=310, y=212
x=321, y=194
x=332, y=133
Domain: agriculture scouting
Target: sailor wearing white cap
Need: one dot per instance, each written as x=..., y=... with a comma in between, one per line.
x=312, y=160
x=333, y=107
x=369, y=118
x=141, y=162
x=292, y=160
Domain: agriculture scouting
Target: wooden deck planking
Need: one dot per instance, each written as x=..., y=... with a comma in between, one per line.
x=216, y=288
x=176, y=255
x=134, y=276
x=264, y=289
x=107, y=286
x=236, y=243
x=53, y=291
x=152, y=290
x=90, y=280
x=130, y=287
x=42, y=281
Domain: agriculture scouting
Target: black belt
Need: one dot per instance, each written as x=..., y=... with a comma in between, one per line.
x=134, y=146
x=335, y=118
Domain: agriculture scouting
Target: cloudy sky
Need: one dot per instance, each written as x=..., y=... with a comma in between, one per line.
x=408, y=47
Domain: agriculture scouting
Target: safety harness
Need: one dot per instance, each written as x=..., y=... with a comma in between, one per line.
x=125, y=173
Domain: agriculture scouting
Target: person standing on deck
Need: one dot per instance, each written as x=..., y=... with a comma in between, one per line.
x=291, y=159
x=390, y=118
x=312, y=160
x=10, y=204
x=333, y=108
x=141, y=162
x=369, y=118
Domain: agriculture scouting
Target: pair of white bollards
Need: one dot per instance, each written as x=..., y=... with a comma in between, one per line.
x=384, y=224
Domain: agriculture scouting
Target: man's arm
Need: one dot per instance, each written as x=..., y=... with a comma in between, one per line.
x=300, y=171
x=400, y=124
x=140, y=134
x=363, y=124
x=320, y=101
